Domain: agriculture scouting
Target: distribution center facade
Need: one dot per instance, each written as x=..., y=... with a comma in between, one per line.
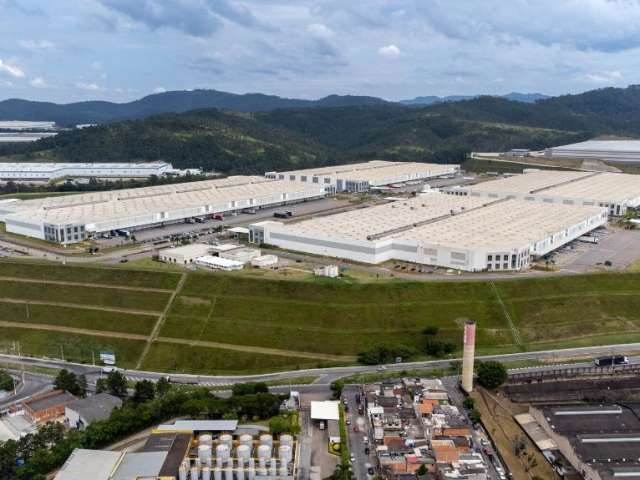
x=45, y=172
x=459, y=232
x=615, y=191
x=361, y=177
x=74, y=218
x=609, y=150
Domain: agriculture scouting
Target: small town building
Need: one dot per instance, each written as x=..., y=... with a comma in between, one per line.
x=185, y=254
x=48, y=406
x=82, y=412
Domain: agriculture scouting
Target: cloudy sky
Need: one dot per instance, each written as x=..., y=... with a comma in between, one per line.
x=69, y=50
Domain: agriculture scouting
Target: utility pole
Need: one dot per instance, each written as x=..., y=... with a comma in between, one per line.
x=62, y=352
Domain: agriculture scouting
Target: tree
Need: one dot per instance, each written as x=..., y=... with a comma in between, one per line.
x=491, y=374
x=430, y=330
x=438, y=348
x=68, y=381
x=144, y=391
x=6, y=381
x=422, y=470
x=469, y=403
x=163, y=386
x=336, y=388
x=249, y=388
x=117, y=384
x=82, y=385
x=101, y=385
x=474, y=416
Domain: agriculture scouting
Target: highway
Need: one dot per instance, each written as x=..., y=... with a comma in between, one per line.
x=325, y=375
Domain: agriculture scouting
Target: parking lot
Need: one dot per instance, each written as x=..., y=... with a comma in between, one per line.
x=616, y=249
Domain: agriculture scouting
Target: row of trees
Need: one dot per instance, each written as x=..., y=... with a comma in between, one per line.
x=33, y=456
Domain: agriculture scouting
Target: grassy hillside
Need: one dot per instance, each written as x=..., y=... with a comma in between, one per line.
x=234, y=324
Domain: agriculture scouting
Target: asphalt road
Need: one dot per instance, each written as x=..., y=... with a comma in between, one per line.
x=356, y=444
x=33, y=384
x=325, y=375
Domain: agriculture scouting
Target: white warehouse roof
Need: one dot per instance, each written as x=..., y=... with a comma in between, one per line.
x=612, y=150
x=584, y=186
x=325, y=410
x=91, y=464
x=453, y=231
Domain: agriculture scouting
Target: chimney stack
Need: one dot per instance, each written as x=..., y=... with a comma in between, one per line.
x=468, y=354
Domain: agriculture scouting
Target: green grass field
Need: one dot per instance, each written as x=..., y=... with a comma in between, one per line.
x=304, y=319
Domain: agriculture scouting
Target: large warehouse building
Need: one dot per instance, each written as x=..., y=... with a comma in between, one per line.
x=459, y=232
x=74, y=218
x=360, y=177
x=614, y=191
x=608, y=150
x=45, y=172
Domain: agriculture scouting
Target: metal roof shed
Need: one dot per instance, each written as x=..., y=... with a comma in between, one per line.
x=326, y=410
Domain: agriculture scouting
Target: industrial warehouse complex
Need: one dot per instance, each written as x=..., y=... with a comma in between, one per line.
x=614, y=191
x=44, y=172
x=460, y=232
x=608, y=150
x=74, y=218
x=503, y=224
x=361, y=177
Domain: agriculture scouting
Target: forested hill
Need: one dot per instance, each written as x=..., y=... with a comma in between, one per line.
x=167, y=102
x=285, y=139
x=233, y=142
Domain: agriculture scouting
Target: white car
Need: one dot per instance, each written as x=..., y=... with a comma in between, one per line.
x=109, y=369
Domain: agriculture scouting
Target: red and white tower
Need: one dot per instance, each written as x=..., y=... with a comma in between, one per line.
x=468, y=354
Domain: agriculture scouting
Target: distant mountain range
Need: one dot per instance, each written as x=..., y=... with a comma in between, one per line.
x=513, y=96
x=185, y=100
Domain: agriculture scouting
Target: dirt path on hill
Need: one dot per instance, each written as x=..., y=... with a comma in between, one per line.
x=77, y=331
x=90, y=285
x=262, y=350
x=132, y=311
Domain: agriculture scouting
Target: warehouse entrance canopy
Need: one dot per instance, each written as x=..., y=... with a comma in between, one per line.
x=327, y=410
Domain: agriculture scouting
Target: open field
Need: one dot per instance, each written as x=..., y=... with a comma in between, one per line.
x=220, y=323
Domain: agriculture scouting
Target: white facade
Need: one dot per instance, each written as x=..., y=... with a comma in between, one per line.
x=361, y=177
x=265, y=261
x=243, y=255
x=184, y=255
x=462, y=233
x=73, y=218
x=218, y=263
x=614, y=191
x=51, y=171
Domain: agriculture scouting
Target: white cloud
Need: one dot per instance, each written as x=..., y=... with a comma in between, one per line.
x=320, y=30
x=6, y=83
x=38, y=82
x=89, y=87
x=37, y=44
x=11, y=69
x=159, y=90
x=389, y=51
x=604, y=77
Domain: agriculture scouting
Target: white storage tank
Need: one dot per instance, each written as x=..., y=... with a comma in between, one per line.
x=206, y=473
x=246, y=439
x=283, y=471
x=264, y=451
x=222, y=451
x=182, y=472
x=251, y=471
x=243, y=452
x=273, y=468
x=240, y=473
x=228, y=473
x=284, y=453
x=286, y=440
x=205, y=439
x=266, y=439
x=226, y=439
x=204, y=454
x=217, y=473
x=195, y=472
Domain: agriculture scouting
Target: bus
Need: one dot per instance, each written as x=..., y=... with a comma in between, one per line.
x=611, y=360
